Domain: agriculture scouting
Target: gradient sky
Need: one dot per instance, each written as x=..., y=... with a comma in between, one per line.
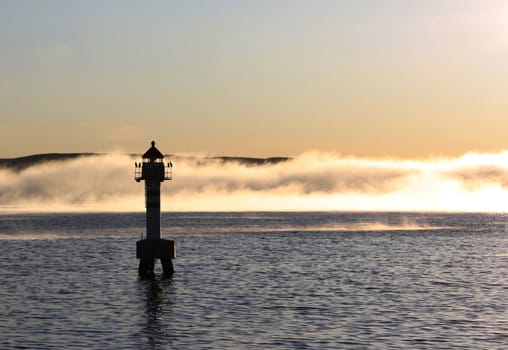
x=401, y=78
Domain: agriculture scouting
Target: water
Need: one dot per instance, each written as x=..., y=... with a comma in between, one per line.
x=257, y=281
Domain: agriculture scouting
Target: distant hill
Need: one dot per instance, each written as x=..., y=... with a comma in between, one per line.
x=21, y=163
x=252, y=161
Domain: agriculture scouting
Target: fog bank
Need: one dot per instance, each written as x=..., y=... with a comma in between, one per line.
x=311, y=181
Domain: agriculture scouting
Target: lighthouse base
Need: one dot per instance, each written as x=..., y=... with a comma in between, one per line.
x=147, y=250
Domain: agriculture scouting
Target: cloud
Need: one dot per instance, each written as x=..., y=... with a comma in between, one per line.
x=71, y=183
x=311, y=181
x=481, y=176
x=308, y=174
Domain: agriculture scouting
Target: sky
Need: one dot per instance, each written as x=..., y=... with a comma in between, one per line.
x=393, y=78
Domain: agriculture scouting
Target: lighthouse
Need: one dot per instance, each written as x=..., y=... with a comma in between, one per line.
x=153, y=171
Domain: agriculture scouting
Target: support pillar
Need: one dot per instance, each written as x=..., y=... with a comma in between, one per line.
x=167, y=266
x=146, y=267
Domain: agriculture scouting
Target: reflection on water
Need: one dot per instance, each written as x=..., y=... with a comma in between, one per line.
x=158, y=302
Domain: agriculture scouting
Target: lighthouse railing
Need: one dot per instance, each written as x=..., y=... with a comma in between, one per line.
x=168, y=171
x=137, y=172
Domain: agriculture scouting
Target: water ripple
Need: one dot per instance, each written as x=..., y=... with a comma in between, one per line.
x=259, y=289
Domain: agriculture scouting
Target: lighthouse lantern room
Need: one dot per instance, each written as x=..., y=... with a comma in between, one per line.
x=153, y=171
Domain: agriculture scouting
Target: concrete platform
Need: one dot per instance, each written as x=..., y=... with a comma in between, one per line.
x=156, y=248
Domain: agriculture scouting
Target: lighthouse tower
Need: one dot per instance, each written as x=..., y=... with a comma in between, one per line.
x=153, y=171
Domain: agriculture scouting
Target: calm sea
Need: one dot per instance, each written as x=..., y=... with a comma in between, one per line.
x=257, y=281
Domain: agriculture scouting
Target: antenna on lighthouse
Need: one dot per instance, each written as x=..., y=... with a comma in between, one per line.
x=153, y=171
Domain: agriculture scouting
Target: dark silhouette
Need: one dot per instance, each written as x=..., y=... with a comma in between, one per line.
x=153, y=171
x=22, y=163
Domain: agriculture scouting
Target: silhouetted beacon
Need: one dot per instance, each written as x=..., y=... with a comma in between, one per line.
x=153, y=171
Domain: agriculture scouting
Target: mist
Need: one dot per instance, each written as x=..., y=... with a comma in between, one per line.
x=311, y=181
